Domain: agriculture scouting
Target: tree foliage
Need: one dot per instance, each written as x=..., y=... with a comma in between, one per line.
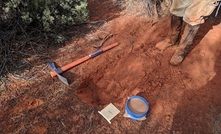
x=45, y=14
x=28, y=27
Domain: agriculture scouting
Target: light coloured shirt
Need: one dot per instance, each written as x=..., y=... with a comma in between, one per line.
x=193, y=11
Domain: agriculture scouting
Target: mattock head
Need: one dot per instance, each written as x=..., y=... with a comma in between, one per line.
x=58, y=71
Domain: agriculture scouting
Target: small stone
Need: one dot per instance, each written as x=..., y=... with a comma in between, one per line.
x=179, y=72
x=183, y=86
x=202, y=54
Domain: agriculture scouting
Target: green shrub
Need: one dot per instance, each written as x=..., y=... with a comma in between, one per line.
x=28, y=27
x=47, y=14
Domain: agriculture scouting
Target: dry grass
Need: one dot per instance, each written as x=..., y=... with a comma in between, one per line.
x=150, y=8
x=216, y=124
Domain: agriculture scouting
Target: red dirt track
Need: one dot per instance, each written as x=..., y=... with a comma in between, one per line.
x=183, y=99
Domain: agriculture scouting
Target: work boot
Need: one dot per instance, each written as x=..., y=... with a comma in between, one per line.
x=174, y=35
x=185, y=43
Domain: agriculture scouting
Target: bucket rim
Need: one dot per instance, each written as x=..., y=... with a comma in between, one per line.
x=131, y=113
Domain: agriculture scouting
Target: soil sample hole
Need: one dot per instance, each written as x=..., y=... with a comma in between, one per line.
x=91, y=94
x=137, y=106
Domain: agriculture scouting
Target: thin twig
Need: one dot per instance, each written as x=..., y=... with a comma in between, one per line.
x=92, y=22
x=88, y=130
x=2, y=67
x=103, y=41
x=132, y=46
x=63, y=124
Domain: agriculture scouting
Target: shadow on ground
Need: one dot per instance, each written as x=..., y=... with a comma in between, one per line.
x=30, y=50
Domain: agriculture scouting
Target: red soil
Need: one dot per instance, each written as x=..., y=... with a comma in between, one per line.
x=183, y=99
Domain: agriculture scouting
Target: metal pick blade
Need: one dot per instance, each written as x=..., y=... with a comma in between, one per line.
x=64, y=80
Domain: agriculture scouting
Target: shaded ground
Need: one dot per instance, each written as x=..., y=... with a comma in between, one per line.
x=183, y=99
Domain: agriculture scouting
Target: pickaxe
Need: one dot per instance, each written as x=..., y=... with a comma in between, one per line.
x=58, y=71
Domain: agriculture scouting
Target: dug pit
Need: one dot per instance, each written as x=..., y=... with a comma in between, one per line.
x=113, y=83
x=91, y=94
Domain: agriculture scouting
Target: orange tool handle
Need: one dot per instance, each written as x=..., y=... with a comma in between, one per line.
x=81, y=60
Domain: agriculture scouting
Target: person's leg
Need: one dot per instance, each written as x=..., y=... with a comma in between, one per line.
x=174, y=34
x=176, y=27
x=185, y=43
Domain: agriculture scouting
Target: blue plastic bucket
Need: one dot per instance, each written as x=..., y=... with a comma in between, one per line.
x=137, y=107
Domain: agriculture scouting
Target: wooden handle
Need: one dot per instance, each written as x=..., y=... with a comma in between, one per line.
x=81, y=60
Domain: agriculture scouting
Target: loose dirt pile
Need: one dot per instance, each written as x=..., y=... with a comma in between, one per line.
x=183, y=99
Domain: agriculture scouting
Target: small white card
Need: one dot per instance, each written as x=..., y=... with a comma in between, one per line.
x=109, y=112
